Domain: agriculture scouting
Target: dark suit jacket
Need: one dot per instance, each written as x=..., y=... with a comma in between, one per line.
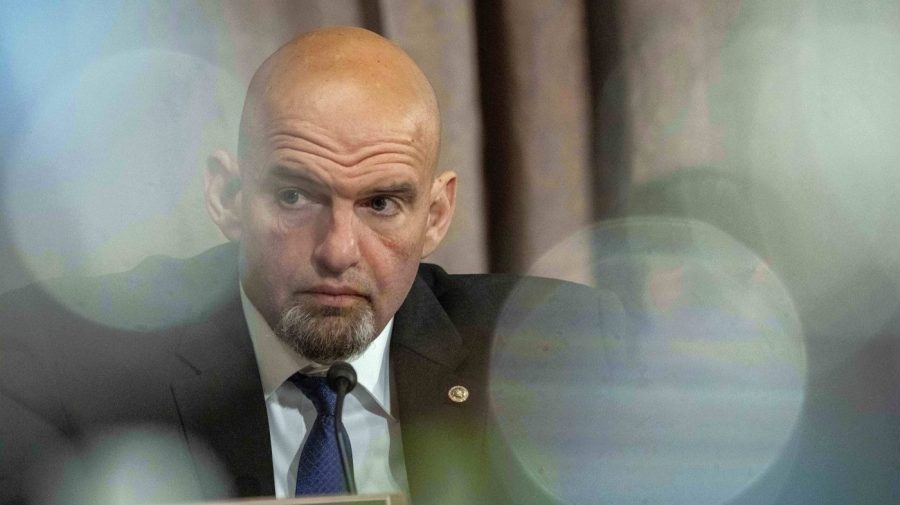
x=167, y=344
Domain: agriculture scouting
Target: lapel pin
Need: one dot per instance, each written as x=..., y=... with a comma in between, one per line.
x=458, y=394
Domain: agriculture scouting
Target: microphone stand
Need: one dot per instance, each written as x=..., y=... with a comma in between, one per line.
x=342, y=379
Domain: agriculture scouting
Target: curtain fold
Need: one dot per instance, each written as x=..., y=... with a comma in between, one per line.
x=536, y=110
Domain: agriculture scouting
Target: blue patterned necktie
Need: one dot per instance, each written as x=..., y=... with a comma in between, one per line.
x=319, y=470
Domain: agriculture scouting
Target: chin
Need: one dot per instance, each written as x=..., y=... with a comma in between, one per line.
x=327, y=333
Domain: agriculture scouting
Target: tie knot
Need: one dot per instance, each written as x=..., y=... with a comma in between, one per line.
x=318, y=391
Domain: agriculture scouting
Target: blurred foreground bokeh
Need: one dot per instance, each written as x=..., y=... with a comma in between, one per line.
x=690, y=401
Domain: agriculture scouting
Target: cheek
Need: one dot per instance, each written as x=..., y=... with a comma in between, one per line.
x=271, y=228
x=274, y=243
x=289, y=224
x=402, y=245
x=394, y=259
x=400, y=248
x=405, y=241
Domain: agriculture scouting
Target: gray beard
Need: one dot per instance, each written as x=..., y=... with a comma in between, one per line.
x=327, y=334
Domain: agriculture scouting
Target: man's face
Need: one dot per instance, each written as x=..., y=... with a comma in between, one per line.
x=335, y=203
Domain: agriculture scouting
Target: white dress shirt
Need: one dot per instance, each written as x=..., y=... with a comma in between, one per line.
x=374, y=433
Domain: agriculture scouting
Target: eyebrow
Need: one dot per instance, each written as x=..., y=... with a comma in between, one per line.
x=406, y=191
x=403, y=190
x=285, y=172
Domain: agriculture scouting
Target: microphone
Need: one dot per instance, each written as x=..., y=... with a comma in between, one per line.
x=342, y=379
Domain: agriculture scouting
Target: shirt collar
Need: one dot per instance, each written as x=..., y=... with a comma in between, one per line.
x=277, y=361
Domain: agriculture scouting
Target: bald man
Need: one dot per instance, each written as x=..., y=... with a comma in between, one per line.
x=330, y=204
x=333, y=199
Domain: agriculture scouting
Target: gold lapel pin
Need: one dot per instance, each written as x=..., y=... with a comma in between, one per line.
x=458, y=394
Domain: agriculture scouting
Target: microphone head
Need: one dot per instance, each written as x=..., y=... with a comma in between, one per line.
x=341, y=375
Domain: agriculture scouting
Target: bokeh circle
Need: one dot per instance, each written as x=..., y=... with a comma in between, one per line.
x=687, y=390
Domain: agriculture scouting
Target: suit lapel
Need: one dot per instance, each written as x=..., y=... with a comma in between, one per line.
x=441, y=438
x=222, y=406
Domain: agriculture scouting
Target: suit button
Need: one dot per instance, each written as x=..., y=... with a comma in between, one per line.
x=458, y=394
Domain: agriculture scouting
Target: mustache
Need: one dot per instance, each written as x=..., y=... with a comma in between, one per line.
x=350, y=284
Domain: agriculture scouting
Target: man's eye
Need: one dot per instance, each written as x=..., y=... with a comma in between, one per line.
x=290, y=196
x=380, y=203
x=383, y=205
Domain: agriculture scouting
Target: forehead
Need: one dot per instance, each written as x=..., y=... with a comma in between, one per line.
x=301, y=145
x=353, y=142
x=346, y=122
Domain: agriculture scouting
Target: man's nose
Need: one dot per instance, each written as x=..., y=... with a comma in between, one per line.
x=337, y=249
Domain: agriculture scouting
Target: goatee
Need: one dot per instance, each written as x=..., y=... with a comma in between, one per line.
x=325, y=334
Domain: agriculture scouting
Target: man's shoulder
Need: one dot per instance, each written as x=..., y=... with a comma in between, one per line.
x=508, y=300
x=80, y=354
x=443, y=283
x=483, y=286
x=160, y=291
x=134, y=318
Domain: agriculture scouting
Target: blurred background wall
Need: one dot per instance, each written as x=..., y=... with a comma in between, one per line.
x=555, y=113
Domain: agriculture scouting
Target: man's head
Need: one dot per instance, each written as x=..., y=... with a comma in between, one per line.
x=333, y=196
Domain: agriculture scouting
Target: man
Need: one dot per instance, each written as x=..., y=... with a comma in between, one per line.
x=334, y=199
x=330, y=204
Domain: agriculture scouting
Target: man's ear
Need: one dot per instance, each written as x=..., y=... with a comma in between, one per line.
x=222, y=187
x=440, y=211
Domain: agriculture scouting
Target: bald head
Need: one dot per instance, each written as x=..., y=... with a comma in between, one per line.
x=343, y=78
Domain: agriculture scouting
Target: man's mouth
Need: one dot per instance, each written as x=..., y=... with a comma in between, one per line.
x=335, y=296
